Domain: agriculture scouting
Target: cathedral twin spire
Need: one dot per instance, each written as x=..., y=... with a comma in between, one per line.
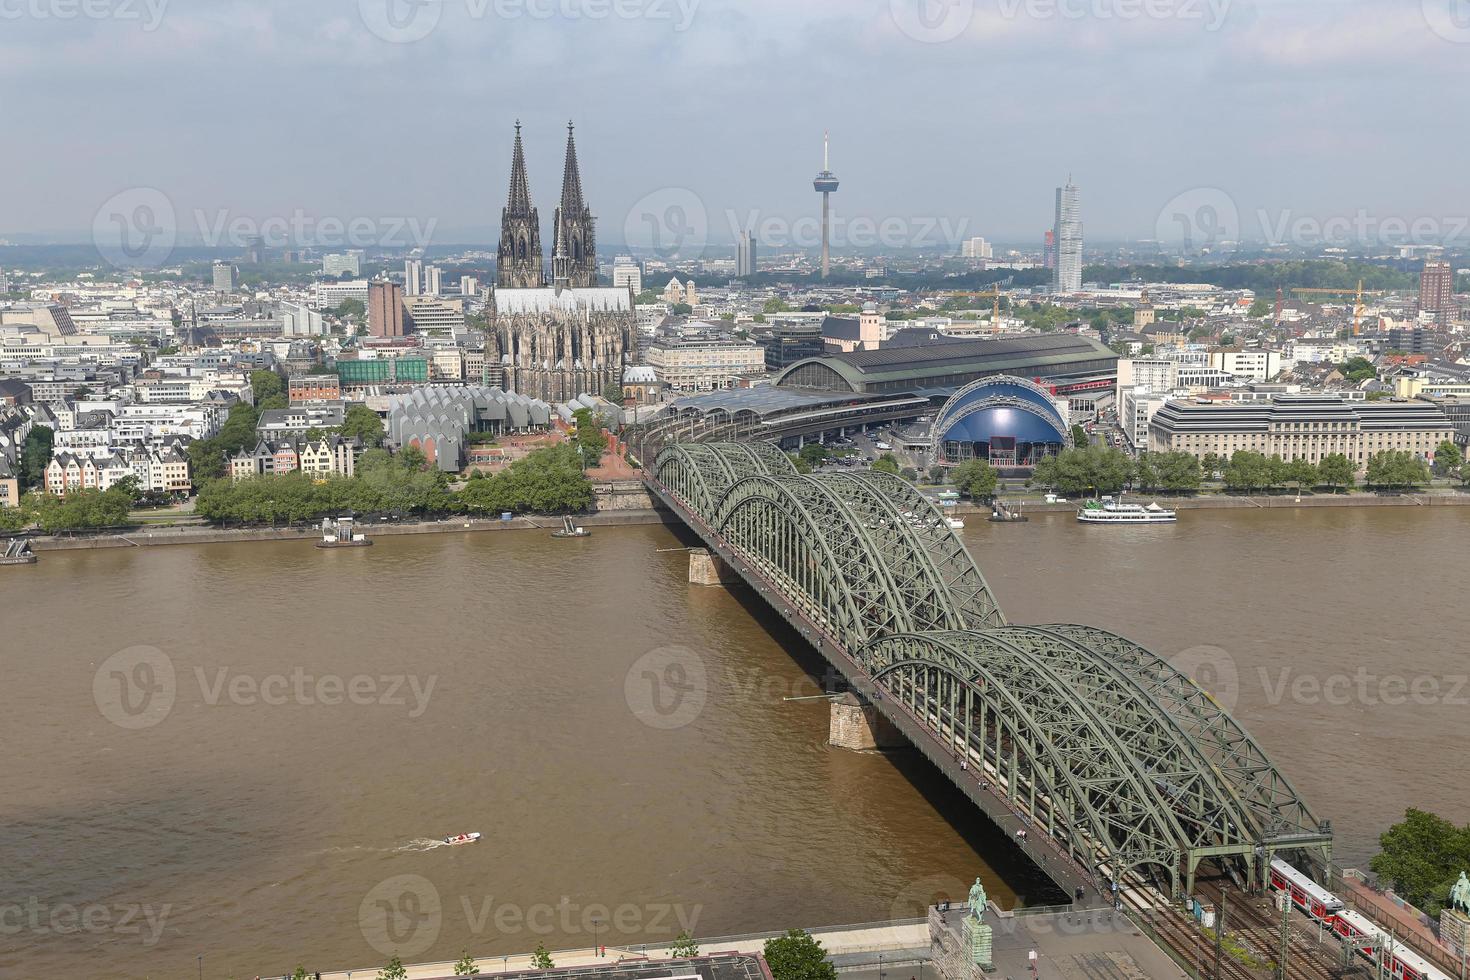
x=574, y=243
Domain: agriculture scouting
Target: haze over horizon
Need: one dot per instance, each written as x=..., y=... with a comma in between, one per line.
x=957, y=116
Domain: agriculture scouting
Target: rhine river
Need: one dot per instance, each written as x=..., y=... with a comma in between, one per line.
x=246, y=751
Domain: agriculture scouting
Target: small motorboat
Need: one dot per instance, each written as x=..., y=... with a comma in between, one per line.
x=569, y=529
x=462, y=839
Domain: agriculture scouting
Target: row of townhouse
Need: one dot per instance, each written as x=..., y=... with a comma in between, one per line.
x=326, y=457
x=163, y=470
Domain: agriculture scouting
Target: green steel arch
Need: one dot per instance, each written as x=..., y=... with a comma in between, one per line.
x=1124, y=761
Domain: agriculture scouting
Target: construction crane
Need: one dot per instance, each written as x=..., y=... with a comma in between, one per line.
x=1358, y=311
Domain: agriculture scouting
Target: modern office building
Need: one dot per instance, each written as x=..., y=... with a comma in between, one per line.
x=342, y=264
x=300, y=320
x=1306, y=427
x=469, y=286
x=432, y=314
x=433, y=281
x=226, y=276
x=789, y=341
x=745, y=257
x=385, y=308
x=1068, y=232
x=329, y=295
x=976, y=248
x=1437, y=290
x=413, y=277
x=628, y=274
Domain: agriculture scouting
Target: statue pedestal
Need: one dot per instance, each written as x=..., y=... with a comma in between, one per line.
x=1454, y=932
x=979, y=942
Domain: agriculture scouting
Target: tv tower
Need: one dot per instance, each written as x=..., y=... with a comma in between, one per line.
x=826, y=184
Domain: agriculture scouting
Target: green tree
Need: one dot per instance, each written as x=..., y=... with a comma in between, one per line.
x=802, y=466
x=273, y=403
x=1095, y=469
x=1396, y=468
x=266, y=384
x=1210, y=465
x=910, y=474
x=1447, y=457
x=1146, y=472
x=466, y=966
x=1358, y=369
x=412, y=459
x=814, y=454
x=352, y=308
x=541, y=959
x=361, y=422
x=797, y=956
x=1248, y=471
x=591, y=437
x=613, y=392
x=1301, y=473
x=394, y=970
x=976, y=479
x=775, y=305
x=1335, y=471
x=1465, y=472
x=646, y=298
x=1178, y=472
x=35, y=456
x=887, y=463
x=1261, y=307
x=684, y=948
x=1423, y=856
x=1079, y=436
x=300, y=973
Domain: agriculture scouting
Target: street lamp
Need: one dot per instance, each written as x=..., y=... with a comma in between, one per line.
x=596, y=931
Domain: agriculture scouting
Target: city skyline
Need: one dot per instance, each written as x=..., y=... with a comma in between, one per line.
x=746, y=148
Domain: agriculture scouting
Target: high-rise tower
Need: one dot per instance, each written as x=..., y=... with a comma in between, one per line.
x=520, y=265
x=574, y=236
x=826, y=185
x=1068, y=230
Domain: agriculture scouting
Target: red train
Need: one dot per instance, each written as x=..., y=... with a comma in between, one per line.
x=1400, y=961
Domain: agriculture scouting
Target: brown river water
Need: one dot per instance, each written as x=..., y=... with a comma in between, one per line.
x=247, y=751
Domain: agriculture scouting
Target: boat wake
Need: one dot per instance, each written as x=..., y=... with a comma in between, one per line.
x=419, y=845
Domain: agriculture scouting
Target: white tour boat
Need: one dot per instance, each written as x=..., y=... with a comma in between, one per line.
x=1110, y=511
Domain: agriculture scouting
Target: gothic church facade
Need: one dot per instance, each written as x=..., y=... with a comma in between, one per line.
x=565, y=338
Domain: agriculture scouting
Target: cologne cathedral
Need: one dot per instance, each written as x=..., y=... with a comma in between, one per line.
x=570, y=337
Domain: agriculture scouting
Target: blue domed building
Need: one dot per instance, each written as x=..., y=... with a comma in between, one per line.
x=1009, y=422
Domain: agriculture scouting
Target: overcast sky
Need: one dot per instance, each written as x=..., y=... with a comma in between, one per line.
x=948, y=117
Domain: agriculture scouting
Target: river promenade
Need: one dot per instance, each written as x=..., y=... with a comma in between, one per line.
x=900, y=941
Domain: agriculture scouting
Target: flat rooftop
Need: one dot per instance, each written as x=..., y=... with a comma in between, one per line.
x=726, y=966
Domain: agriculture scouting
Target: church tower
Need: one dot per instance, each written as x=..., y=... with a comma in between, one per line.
x=574, y=240
x=520, y=265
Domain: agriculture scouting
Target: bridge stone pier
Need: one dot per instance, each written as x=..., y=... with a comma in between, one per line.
x=709, y=569
x=858, y=725
x=1107, y=766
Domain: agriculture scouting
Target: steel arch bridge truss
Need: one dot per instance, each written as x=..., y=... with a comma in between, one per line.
x=1125, y=762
